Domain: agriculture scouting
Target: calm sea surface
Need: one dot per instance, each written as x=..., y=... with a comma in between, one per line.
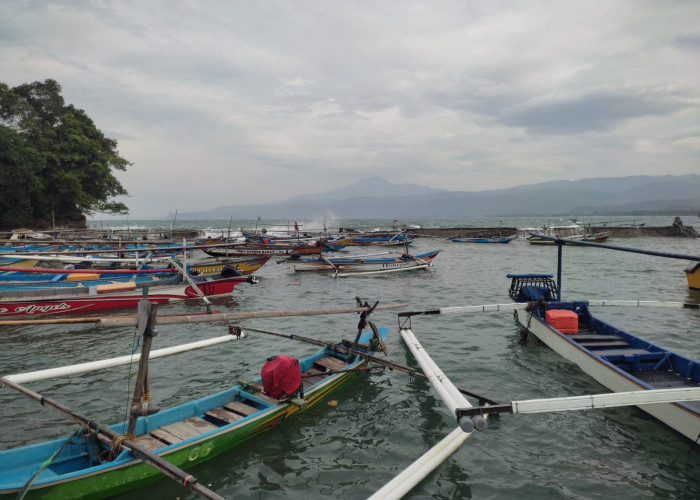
x=385, y=420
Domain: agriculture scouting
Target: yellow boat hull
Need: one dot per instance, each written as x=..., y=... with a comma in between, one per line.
x=693, y=275
x=215, y=267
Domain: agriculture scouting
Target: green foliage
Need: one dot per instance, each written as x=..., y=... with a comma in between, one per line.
x=55, y=163
x=20, y=182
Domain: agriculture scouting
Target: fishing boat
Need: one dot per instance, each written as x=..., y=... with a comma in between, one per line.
x=493, y=239
x=241, y=250
x=244, y=265
x=398, y=239
x=692, y=273
x=32, y=276
x=536, y=239
x=572, y=232
x=367, y=263
x=619, y=360
x=37, y=278
x=98, y=461
x=84, y=298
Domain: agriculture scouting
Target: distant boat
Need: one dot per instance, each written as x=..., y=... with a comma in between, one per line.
x=591, y=238
x=572, y=233
x=367, y=264
x=389, y=240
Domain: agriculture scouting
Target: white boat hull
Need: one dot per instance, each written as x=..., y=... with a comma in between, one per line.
x=677, y=416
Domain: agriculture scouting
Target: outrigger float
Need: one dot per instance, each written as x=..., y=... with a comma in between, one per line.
x=101, y=461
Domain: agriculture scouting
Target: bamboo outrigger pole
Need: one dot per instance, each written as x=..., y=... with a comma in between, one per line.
x=170, y=319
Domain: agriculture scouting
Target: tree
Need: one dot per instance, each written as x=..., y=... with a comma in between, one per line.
x=20, y=186
x=59, y=152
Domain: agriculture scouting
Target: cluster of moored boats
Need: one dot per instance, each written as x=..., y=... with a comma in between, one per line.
x=100, y=461
x=69, y=277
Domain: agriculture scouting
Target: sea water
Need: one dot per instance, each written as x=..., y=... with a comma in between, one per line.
x=384, y=420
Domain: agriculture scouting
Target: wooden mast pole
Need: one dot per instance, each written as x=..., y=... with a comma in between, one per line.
x=141, y=402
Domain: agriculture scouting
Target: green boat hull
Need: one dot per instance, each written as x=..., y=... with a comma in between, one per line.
x=125, y=473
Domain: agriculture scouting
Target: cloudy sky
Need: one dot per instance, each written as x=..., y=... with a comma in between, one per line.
x=238, y=102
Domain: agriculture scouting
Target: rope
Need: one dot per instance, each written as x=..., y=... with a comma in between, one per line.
x=43, y=467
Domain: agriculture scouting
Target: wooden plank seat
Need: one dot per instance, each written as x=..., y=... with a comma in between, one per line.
x=232, y=411
x=241, y=408
x=185, y=429
x=149, y=442
x=310, y=377
x=221, y=415
x=330, y=363
x=582, y=337
x=165, y=436
x=600, y=344
x=615, y=352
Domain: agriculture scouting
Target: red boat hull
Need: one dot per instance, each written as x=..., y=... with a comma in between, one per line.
x=67, y=304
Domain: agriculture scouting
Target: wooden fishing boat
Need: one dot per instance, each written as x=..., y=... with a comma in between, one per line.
x=398, y=239
x=536, y=239
x=97, y=274
x=395, y=262
x=89, y=260
x=692, y=273
x=494, y=239
x=244, y=265
x=615, y=358
x=83, y=466
x=81, y=299
x=242, y=250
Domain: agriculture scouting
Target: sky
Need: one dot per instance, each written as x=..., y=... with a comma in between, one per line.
x=234, y=102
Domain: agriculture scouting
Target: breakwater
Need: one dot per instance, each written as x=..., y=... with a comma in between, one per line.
x=617, y=232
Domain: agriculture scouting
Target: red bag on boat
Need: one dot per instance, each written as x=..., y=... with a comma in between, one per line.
x=281, y=376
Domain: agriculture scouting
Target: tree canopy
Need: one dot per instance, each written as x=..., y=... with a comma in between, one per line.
x=55, y=164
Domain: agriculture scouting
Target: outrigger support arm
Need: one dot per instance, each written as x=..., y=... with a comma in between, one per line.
x=587, y=402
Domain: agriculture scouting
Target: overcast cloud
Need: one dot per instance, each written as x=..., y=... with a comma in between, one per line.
x=239, y=102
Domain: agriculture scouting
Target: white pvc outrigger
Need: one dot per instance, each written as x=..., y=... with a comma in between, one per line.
x=63, y=371
x=429, y=461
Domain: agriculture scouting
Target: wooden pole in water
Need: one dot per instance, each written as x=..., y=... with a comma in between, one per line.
x=141, y=401
x=107, y=435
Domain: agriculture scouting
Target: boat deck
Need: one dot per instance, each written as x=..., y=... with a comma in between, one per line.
x=251, y=400
x=650, y=366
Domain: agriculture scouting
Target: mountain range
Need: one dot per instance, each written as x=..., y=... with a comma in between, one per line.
x=375, y=197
